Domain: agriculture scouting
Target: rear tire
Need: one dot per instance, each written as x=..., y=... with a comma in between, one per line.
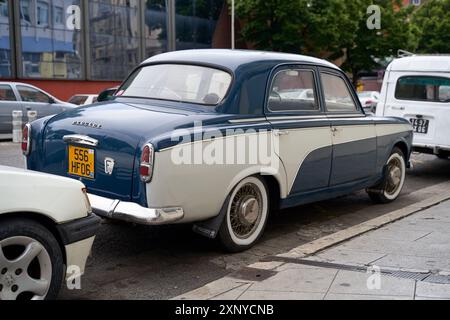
x=31, y=261
x=390, y=188
x=246, y=216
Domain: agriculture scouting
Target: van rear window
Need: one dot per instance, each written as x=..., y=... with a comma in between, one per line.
x=423, y=88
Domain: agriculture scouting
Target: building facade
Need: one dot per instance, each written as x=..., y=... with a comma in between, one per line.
x=79, y=46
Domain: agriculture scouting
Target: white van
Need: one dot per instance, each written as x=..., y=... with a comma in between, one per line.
x=418, y=88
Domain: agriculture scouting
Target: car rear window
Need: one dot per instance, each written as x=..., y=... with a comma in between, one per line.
x=423, y=88
x=177, y=82
x=6, y=93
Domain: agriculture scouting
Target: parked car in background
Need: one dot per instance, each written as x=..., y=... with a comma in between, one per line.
x=128, y=151
x=25, y=97
x=46, y=227
x=107, y=94
x=417, y=88
x=83, y=99
x=369, y=100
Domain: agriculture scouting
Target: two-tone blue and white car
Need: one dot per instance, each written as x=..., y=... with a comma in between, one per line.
x=221, y=138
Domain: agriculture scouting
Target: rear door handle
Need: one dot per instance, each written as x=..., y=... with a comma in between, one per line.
x=398, y=108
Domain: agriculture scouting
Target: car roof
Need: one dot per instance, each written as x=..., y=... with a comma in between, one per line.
x=17, y=83
x=422, y=63
x=233, y=59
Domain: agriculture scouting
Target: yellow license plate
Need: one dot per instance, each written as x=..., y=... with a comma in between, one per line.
x=82, y=162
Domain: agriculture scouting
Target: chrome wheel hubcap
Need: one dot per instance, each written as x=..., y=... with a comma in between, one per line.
x=394, y=176
x=246, y=211
x=25, y=269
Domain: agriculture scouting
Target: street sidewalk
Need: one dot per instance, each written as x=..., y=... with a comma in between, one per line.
x=402, y=255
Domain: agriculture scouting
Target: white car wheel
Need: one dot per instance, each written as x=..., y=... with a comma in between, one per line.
x=246, y=216
x=31, y=262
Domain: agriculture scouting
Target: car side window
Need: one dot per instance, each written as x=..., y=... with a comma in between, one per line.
x=338, y=97
x=29, y=94
x=293, y=90
x=6, y=93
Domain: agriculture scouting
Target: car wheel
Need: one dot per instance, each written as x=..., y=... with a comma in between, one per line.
x=391, y=186
x=246, y=216
x=31, y=261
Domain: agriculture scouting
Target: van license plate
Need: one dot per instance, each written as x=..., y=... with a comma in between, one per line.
x=420, y=125
x=81, y=162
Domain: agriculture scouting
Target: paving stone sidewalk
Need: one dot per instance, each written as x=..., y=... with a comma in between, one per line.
x=407, y=259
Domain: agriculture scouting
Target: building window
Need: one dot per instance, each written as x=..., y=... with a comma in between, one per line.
x=196, y=22
x=5, y=44
x=58, y=15
x=25, y=11
x=114, y=38
x=49, y=50
x=42, y=14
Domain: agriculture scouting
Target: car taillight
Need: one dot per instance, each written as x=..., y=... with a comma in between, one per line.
x=146, y=165
x=26, y=139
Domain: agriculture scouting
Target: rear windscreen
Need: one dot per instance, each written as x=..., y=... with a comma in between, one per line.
x=423, y=88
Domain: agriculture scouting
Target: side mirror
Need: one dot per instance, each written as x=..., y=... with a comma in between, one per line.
x=51, y=100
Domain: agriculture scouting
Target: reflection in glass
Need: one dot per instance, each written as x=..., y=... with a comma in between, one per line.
x=49, y=49
x=5, y=44
x=155, y=29
x=114, y=38
x=196, y=22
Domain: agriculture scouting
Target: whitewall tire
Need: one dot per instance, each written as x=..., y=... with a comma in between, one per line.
x=392, y=185
x=246, y=215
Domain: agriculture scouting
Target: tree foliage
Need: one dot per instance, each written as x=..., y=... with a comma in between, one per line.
x=433, y=22
x=330, y=29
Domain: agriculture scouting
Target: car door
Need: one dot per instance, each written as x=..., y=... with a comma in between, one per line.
x=8, y=103
x=353, y=133
x=300, y=127
x=36, y=100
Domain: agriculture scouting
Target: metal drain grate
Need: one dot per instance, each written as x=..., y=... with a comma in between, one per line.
x=417, y=276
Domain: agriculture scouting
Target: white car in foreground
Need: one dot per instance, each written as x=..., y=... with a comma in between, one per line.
x=46, y=228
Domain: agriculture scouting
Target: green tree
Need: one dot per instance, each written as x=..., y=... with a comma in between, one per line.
x=371, y=47
x=434, y=25
x=331, y=29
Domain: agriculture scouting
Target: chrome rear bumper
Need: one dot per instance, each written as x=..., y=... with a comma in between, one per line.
x=132, y=212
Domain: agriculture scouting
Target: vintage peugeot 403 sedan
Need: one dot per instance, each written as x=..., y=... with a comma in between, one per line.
x=142, y=155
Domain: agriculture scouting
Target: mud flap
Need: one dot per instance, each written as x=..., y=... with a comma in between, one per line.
x=210, y=228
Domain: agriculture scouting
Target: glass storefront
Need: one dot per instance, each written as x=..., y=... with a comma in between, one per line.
x=5, y=42
x=50, y=49
x=155, y=27
x=113, y=38
x=196, y=22
x=99, y=39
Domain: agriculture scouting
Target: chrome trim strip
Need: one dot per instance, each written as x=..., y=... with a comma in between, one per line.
x=339, y=116
x=282, y=118
x=247, y=120
x=133, y=212
x=80, y=139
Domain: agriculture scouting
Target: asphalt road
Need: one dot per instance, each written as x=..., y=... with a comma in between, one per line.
x=140, y=262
